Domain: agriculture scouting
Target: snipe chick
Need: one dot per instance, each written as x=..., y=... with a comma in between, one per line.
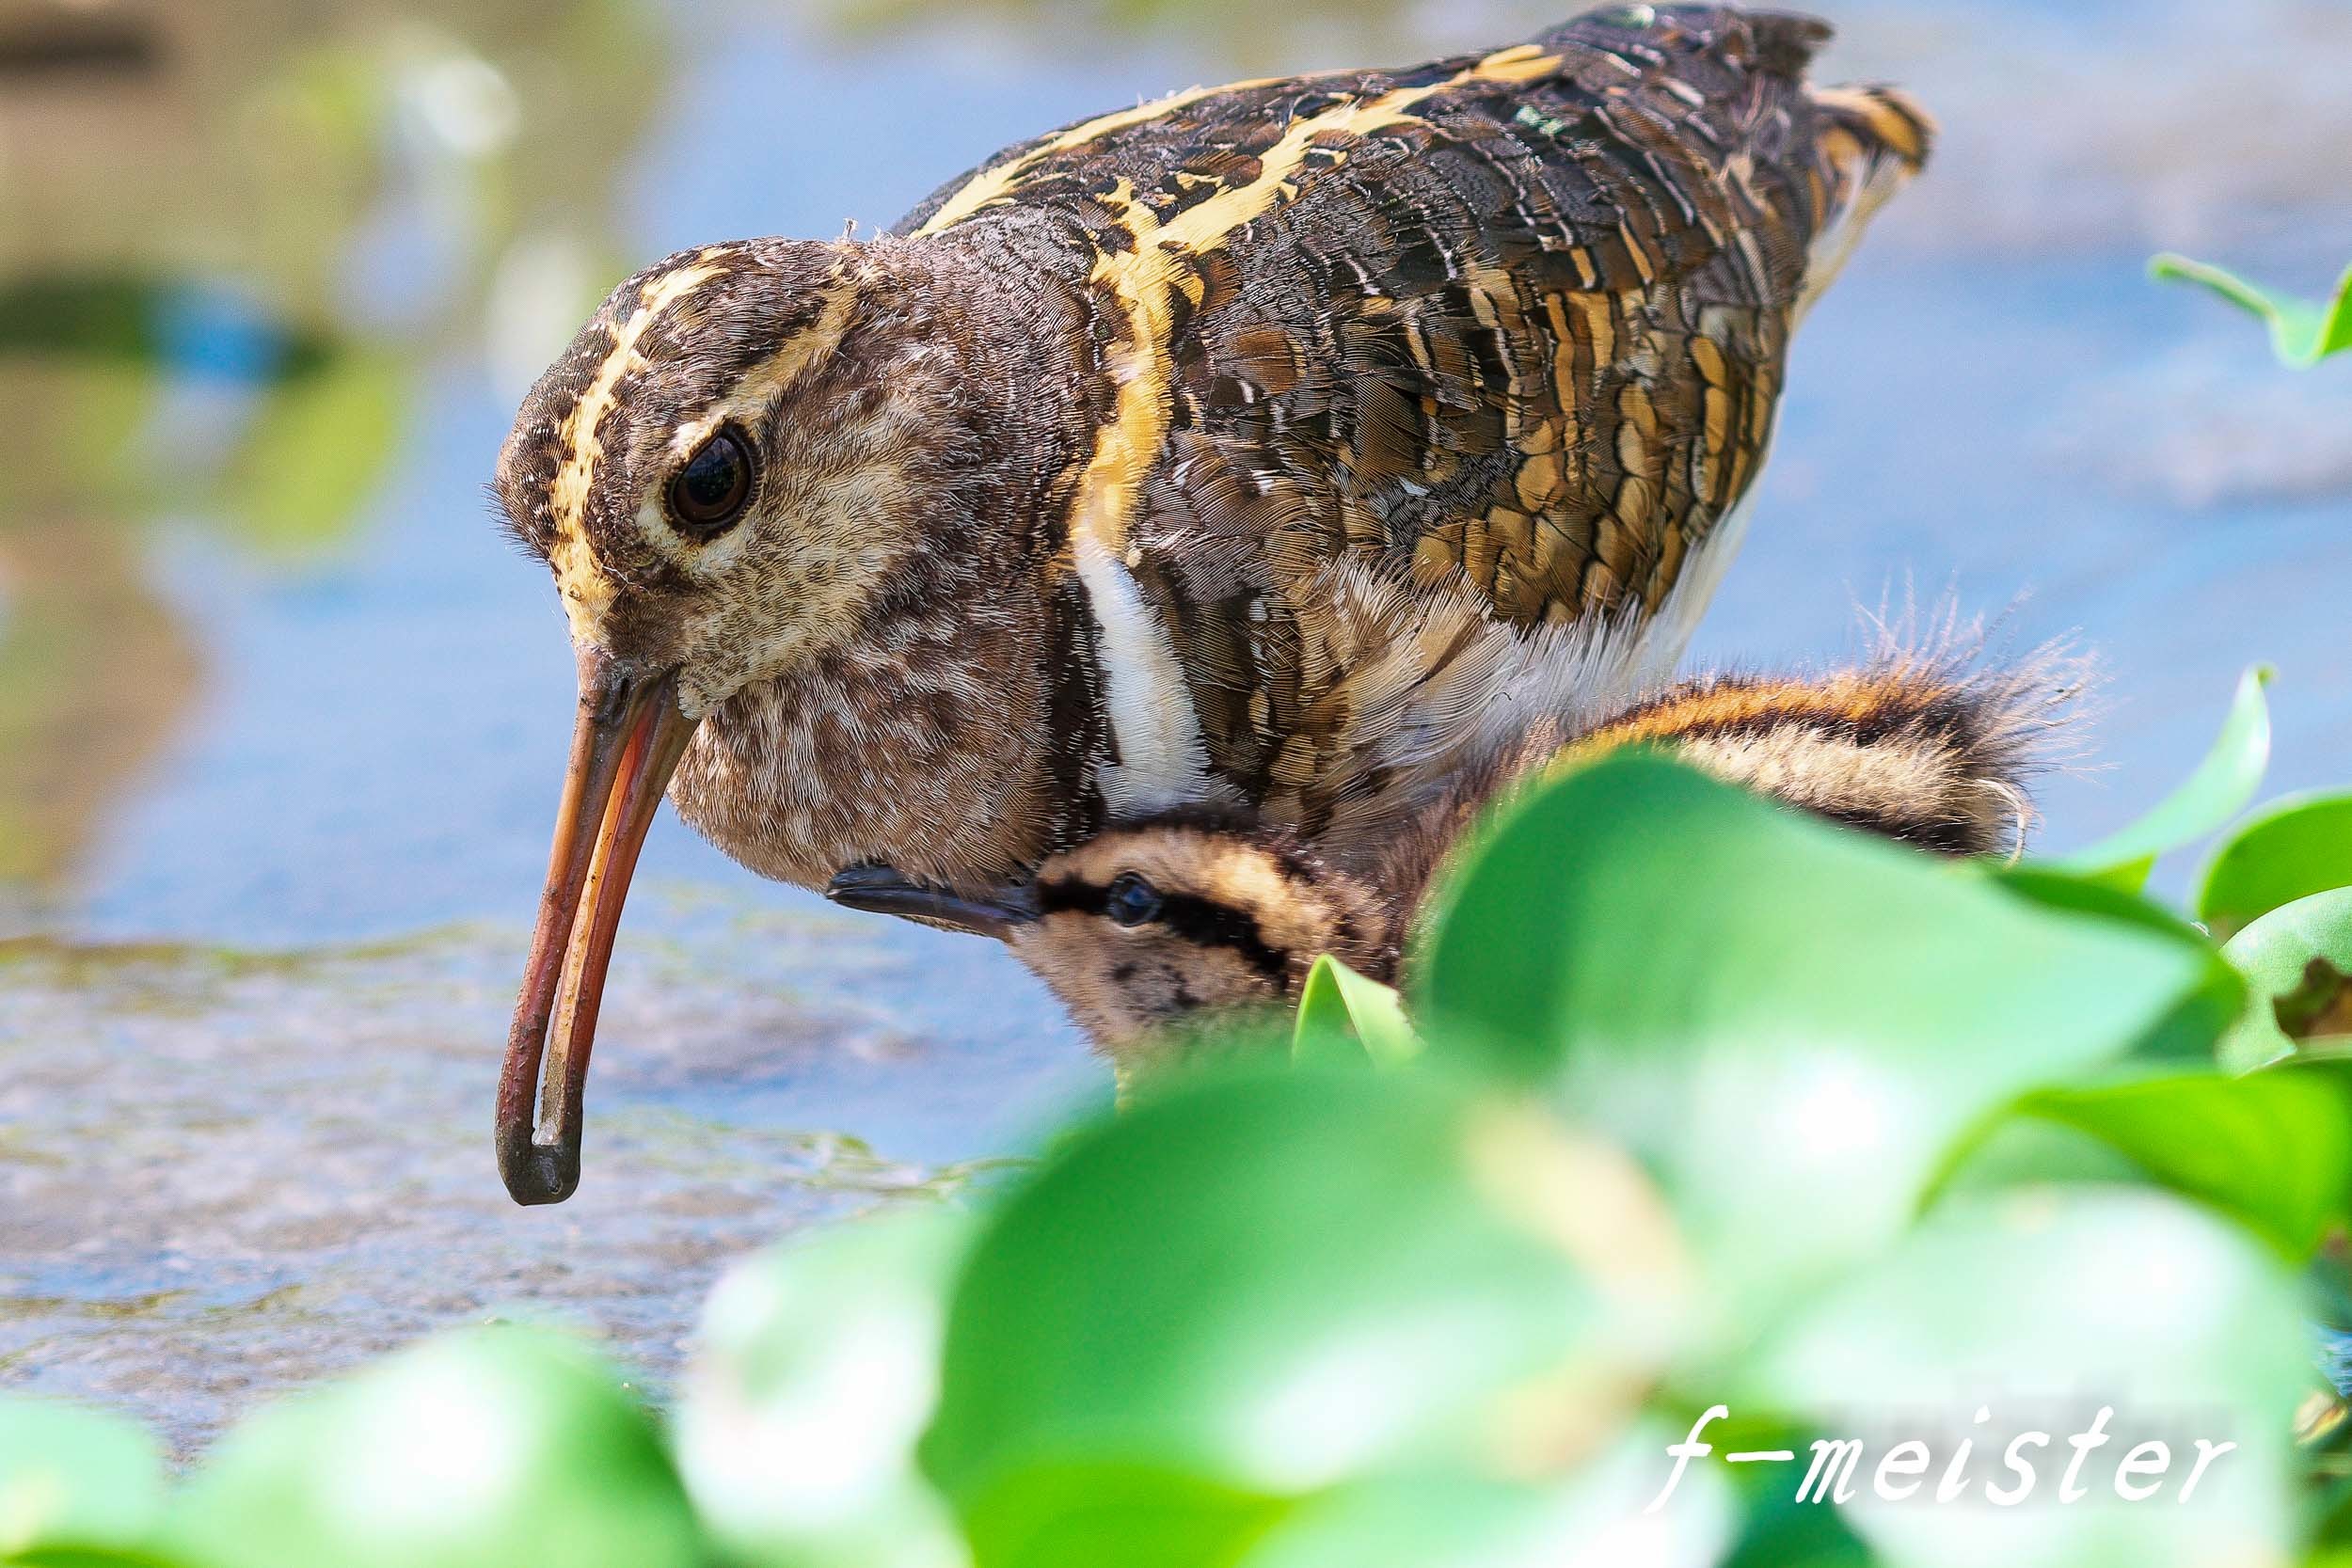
x=948, y=547
x=1177, y=913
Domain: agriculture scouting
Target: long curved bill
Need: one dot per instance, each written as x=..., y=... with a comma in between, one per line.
x=627, y=743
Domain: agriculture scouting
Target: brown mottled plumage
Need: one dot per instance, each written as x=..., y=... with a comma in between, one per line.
x=1201, y=910
x=945, y=548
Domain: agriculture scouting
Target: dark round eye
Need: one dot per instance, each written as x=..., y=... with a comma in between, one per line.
x=711, y=488
x=1130, y=900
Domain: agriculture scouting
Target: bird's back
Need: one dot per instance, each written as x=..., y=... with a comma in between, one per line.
x=1507, y=326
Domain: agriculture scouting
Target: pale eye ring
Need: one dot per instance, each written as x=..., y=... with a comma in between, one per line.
x=712, y=487
x=1131, y=901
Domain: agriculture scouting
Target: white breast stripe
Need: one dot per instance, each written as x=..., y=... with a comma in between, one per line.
x=1164, y=760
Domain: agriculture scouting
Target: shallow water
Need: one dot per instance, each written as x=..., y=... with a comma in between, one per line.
x=278, y=747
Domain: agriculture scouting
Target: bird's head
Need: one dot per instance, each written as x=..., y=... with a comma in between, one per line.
x=736, y=455
x=747, y=450
x=1163, y=921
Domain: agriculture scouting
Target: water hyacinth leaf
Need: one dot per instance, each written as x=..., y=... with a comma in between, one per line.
x=1592, y=1516
x=1254, y=1286
x=817, y=1371
x=2302, y=332
x=2272, y=1151
x=2011, y=1152
x=2190, y=1029
x=477, y=1449
x=1404, y=1522
x=1781, y=1530
x=1080, y=1514
x=2291, y=848
x=2298, y=954
x=1344, y=1017
x=2041, y=1310
x=2086, y=894
x=73, y=1478
x=2219, y=788
x=1787, y=1020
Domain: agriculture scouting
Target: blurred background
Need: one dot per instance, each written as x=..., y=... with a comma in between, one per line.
x=282, y=716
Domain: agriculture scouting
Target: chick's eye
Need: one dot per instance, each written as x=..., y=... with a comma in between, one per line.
x=1131, y=901
x=711, y=488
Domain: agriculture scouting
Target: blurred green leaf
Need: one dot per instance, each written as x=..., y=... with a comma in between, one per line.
x=819, y=1369
x=1789, y=1022
x=1592, y=1516
x=2272, y=1151
x=1404, y=1522
x=1779, y=1530
x=2190, y=1029
x=2276, y=954
x=1252, y=1288
x=1343, y=1017
x=2292, y=848
x=2216, y=791
x=2040, y=1309
x=2302, y=332
x=72, y=1478
x=317, y=450
x=1079, y=1512
x=479, y=1450
x=2008, y=1152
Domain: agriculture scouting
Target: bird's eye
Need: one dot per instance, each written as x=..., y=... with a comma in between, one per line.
x=1131, y=901
x=711, y=488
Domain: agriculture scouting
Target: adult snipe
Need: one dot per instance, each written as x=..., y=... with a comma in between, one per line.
x=941, y=549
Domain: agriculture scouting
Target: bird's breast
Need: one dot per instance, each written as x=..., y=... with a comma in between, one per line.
x=926, y=750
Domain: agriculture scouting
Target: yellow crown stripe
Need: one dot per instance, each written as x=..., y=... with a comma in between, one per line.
x=756, y=391
x=586, y=591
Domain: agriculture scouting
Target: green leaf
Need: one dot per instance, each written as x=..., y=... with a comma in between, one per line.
x=1787, y=1020
x=1077, y=1513
x=2191, y=1028
x=1252, y=1288
x=1405, y=1521
x=1782, y=1531
x=2276, y=954
x=1343, y=1017
x=2010, y=1152
x=73, y=1478
x=2040, y=1309
x=2302, y=332
x=1591, y=1514
x=2216, y=791
x=2292, y=848
x=479, y=1450
x=819, y=1369
x=2272, y=1151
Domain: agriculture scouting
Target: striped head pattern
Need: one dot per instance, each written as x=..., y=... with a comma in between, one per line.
x=1191, y=912
x=723, y=470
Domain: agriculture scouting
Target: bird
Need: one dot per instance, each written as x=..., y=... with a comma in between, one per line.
x=943, y=549
x=1184, y=917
